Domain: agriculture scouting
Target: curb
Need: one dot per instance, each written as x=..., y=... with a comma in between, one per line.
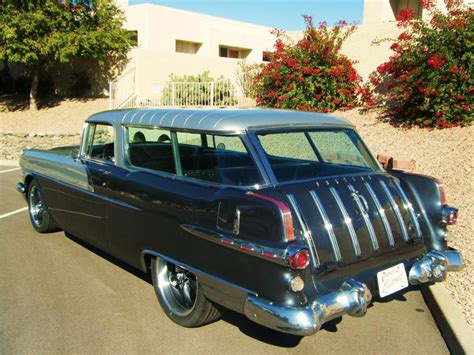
x=4, y=162
x=451, y=322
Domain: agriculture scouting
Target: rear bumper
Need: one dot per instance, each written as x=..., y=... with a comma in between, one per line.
x=353, y=298
x=434, y=266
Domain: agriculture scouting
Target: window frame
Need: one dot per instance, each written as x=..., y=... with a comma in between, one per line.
x=89, y=129
x=242, y=135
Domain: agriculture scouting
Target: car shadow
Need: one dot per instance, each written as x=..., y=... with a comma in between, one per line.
x=246, y=326
x=112, y=259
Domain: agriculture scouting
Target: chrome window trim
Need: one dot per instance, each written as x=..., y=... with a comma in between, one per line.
x=306, y=231
x=347, y=222
x=327, y=225
x=365, y=216
x=396, y=210
x=381, y=212
x=86, y=155
x=409, y=207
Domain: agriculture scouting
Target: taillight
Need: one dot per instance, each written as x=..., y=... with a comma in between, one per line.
x=300, y=259
x=285, y=213
x=450, y=215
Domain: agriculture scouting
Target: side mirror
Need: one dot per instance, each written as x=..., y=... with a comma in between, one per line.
x=75, y=154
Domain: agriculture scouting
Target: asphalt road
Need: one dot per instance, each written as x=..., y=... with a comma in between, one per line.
x=58, y=295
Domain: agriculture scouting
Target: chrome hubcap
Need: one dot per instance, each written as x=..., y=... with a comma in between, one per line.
x=36, y=206
x=177, y=287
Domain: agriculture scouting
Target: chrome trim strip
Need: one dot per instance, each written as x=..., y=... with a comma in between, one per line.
x=365, y=216
x=306, y=232
x=383, y=216
x=278, y=256
x=409, y=207
x=347, y=222
x=327, y=225
x=195, y=271
x=396, y=209
x=74, y=212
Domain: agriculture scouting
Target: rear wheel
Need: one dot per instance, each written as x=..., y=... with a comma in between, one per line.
x=39, y=215
x=180, y=295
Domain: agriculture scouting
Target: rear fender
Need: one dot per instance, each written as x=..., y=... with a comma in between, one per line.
x=424, y=192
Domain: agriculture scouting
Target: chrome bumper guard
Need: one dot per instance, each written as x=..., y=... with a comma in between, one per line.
x=352, y=298
x=20, y=187
x=434, y=265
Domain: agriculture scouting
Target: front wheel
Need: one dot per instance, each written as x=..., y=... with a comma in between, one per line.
x=39, y=215
x=180, y=295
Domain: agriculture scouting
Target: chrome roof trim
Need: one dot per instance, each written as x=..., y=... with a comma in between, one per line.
x=217, y=120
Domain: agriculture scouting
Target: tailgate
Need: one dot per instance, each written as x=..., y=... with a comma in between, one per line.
x=354, y=218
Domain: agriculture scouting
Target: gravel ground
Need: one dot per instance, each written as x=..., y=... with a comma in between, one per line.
x=445, y=154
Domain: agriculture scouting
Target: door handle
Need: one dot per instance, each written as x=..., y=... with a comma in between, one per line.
x=105, y=172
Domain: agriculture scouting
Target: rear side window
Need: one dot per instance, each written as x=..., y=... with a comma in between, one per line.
x=150, y=148
x=217, y=159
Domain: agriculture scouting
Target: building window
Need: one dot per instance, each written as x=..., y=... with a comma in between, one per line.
x=399, y=5
x=233, y=52
x=187, y=46
x=267, y=56
x=134, y=37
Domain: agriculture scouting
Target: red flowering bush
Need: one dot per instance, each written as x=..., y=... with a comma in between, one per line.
x=429, y=77
x=310, y=75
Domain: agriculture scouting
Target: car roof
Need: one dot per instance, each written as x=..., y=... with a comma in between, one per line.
x=216, y=120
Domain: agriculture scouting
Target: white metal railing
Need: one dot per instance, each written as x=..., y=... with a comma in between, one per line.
x=220, y=93
x=122, y=91
x=213, y=93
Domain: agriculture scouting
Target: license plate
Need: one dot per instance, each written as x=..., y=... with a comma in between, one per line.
x=392, y=280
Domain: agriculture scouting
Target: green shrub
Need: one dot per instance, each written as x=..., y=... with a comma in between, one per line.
x=310, y=75
x=429, y=77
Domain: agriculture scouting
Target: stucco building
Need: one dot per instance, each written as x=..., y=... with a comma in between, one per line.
x=187, y=43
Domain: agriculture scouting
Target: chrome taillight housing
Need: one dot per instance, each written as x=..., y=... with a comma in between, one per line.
x=450, y=215
x=299, y=260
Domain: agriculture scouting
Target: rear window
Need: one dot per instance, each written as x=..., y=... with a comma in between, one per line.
x=316, y=153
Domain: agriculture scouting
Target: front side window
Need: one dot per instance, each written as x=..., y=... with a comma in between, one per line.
x=315, y=153
x=150, y=148
x=100, y=143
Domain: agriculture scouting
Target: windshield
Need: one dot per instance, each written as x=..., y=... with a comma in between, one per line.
x=298, y=155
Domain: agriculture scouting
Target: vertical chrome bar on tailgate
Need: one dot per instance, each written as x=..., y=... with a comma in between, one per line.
x=347, y=221
x=365, y=216
x=306, y=232
x=327, y=225
x=409, y=207
x=394, y=205
x=381, y=211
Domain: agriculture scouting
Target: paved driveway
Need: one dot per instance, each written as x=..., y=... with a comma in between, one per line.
x=59, y=296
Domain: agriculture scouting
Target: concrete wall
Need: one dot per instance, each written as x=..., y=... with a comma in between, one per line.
x=359, y=46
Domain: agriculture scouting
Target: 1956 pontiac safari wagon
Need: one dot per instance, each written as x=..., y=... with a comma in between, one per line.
x=283, y=216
